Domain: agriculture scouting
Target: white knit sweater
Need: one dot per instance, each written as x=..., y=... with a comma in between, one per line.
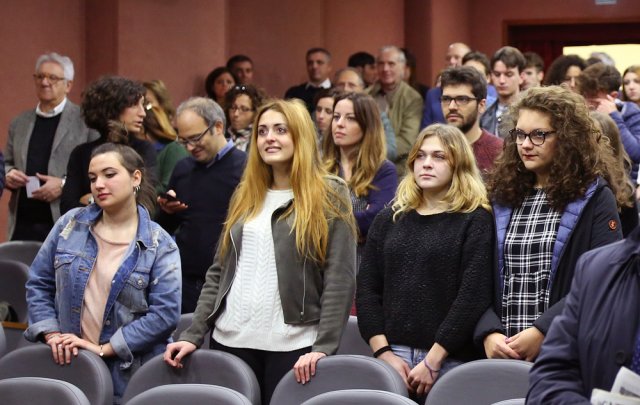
x=253, y=317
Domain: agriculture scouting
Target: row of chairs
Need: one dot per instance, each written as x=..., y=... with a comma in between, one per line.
x=479, y=382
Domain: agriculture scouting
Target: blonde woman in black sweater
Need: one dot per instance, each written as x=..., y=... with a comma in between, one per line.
x=425, y=277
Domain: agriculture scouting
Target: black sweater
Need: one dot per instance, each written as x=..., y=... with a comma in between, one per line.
x=426, y=279
x=206, y=191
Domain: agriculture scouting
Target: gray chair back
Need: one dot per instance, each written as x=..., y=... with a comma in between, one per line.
x=351, y=341
x=13, y=277
x=87, y=371
x=203, y=366
x=3, y=341
x=183, y=324
x=41, y=391
x=482, y=382
x=515, y=401
x=359, y=397
x=23, y=251
x=189, y=394
x=340, y=372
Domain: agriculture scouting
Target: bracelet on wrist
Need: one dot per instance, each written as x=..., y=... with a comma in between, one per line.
x=431, y=369
x=101, y=354
x=381, y=350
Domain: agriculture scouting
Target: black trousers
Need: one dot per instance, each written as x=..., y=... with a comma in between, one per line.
x=269, y=367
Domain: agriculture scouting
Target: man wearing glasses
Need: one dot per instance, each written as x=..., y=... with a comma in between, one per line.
x=38, y=148
x=464, y=93
x=200, y=188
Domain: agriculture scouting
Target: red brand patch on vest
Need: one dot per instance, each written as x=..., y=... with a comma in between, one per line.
x=613, y=224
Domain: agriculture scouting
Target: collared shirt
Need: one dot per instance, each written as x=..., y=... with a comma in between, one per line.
x=56, y=110
x=324, y=85
x=225, y=149
x=383, y=99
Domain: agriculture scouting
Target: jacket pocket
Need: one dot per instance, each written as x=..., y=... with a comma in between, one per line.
x=134, y=293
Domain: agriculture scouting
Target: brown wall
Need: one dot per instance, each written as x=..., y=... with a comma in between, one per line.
x=180, y=41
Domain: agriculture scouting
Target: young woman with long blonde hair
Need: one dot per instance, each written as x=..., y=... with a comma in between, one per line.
x=425, y=277
x=282, y=281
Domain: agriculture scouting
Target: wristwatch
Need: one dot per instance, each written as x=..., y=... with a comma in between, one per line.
x=63, y=181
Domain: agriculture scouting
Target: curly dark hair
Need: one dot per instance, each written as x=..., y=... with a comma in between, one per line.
x=580, y=159
x=256, y=95
x=106, y=98
x=555, y=75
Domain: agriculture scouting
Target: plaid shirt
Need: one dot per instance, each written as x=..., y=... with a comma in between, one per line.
x=528, y=250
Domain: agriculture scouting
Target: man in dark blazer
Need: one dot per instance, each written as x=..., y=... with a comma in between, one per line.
x=38, y=147
x=597, y=332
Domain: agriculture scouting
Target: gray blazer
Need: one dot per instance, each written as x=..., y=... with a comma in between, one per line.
x=490, y=123
x=71, y=132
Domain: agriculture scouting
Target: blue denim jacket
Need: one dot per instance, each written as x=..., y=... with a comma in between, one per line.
x=143, y=307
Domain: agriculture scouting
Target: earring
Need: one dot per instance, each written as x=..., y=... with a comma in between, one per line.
x=136, y=190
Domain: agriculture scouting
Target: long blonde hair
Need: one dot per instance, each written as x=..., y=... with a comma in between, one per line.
x=466, y=192
x=372, y=150
x=315, y=202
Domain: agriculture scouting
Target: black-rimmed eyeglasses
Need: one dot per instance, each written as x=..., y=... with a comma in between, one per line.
x=460, y=100
x=194, y=140
x=537, y=136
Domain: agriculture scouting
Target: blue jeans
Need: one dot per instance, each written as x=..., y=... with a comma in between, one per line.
x=414, y=356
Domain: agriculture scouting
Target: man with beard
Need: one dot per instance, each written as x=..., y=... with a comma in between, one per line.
x=464, y=92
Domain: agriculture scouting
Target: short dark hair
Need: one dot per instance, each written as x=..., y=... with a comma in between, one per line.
x=361, y=59
x=534, y=60
x=318, y=50
x=465, y=75
x=511, y=57
x=237, y=59
x=478, y=57
x=598, y=77
x=106, y=98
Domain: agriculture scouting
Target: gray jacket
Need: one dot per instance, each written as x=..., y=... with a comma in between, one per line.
x=309, y=293
x=490, y=123
x=70, y=133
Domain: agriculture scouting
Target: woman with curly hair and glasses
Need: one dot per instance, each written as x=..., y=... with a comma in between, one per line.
x=551, y=204
x=425, y=277
x=114, y=106
x=241, y=102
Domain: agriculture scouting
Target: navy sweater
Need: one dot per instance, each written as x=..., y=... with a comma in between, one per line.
x=206, y=191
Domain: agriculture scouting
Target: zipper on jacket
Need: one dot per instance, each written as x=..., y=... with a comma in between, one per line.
x=304, y=286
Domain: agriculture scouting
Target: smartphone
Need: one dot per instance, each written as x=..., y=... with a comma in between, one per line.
x=168, y=197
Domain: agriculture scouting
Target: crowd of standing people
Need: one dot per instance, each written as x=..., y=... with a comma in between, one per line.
x=451, y=220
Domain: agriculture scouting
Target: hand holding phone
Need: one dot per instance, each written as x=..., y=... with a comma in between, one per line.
x=169, y=203
x=168, y=197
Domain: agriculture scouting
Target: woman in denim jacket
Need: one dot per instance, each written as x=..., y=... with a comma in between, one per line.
x=107, y=278
x=279, y=291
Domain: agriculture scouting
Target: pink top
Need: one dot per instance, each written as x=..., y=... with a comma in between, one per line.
x=110, y=255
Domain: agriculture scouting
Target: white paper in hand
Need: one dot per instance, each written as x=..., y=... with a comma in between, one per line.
x=32, y=185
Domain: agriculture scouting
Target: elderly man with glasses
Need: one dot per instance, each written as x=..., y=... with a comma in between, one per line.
x=199, y=191
x=38, y=148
